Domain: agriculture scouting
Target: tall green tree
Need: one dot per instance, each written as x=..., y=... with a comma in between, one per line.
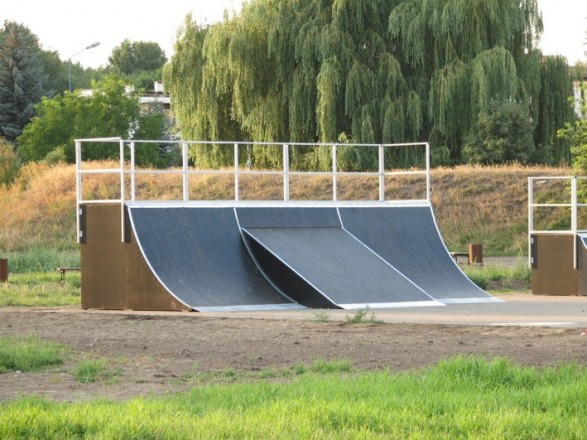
x=133, y=57
x=22, y=78
x=361, y=70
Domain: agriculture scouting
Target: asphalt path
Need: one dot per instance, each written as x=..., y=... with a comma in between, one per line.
x=514, y=310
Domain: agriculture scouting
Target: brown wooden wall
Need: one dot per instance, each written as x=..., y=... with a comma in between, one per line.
x=114, y=272
x=553, y=272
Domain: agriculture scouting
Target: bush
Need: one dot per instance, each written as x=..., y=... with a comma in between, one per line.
x=9, y=163
x=503, y=134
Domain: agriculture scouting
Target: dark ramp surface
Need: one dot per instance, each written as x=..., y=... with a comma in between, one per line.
x=325, y=266
x=198, y=256
x=407, y=238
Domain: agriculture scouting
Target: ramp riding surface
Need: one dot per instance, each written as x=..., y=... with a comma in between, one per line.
x=408, y=238
x=198, y=256
x=309, y=256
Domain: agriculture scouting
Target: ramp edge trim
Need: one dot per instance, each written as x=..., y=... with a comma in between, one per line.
x=251, y=308
x=489, y=299
x=393, y=305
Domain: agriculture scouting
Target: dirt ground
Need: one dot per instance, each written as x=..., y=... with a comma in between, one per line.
x=158, y=353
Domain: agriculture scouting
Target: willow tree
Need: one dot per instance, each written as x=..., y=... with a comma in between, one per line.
x=359, y=70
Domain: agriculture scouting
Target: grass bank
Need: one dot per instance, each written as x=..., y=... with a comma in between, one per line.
x=464, y=397
x=472, y=204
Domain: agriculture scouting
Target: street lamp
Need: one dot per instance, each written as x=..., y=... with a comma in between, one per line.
x=91, y=46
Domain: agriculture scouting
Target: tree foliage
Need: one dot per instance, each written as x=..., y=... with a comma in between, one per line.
x=576, y=134
x=365, y=70
x=132, y=57
x=22, y=78
x=109, y=112
x=503, y=134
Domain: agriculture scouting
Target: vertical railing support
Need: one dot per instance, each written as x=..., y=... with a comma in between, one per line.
x=530, y=219
x=285, y=172
x=428, y=184
x=574, y=218
x=186, y=171
x=334, y=177
x=78, y=185
x=381, y=174
x=132, y=171
x=236, y=183
x=122, y=191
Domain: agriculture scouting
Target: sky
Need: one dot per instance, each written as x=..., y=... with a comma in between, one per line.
x=69, y=26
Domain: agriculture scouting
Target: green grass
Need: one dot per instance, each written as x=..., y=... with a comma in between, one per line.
x=483, y=276
x=95, y=370
x=362, y=316
x=42, y=289
x=462, y=398
x=40, y=259
x=230, y=375
x=28, y=353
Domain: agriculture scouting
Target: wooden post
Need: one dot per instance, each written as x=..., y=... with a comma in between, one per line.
x=475, y=253
x=3, y=270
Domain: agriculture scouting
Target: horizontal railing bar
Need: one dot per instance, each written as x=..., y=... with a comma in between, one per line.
x=276, y=144
x=100, y=171
x=550, y=232
x=91, y=201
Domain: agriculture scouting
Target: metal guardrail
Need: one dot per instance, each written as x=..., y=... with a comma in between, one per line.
x=128, y=170
x=572, y=204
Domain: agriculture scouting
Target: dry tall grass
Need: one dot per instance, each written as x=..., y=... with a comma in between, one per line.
x=472, y=204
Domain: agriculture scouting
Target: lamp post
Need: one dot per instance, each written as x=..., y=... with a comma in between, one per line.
x=91, y=46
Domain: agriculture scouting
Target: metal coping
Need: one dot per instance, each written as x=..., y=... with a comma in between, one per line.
x=128, y=170
x=572, y=204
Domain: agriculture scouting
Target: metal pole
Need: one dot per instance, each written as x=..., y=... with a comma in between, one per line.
x=78, y=186
x=186, y=175
x=132, y=172
x=122, y=194
x=236, y=184
x=334, y=170
x=381, y=174
x=285, y=172
x=574, y=218
x=530, y=218
x=91, y=46
x=428, y=179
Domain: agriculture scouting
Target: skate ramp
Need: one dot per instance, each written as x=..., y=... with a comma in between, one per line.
x=408, y=238
x=197, y=254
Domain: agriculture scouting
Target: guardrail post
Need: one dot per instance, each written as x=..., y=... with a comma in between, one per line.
x=132, y=171
x=334, y=171
x=574, y=218
x=236, y=183
x=530, y=218
x=381, y=174
x=285, y=172
x=428, y=184
x=186, y=171
x=122, y=192
x=78, y=185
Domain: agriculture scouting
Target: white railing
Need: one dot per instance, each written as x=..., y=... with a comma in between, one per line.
x=571, y=204
x=128, y=170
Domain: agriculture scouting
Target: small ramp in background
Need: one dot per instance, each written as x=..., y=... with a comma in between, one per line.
x=307, y=254
x=407, y=237
x=197, y=254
